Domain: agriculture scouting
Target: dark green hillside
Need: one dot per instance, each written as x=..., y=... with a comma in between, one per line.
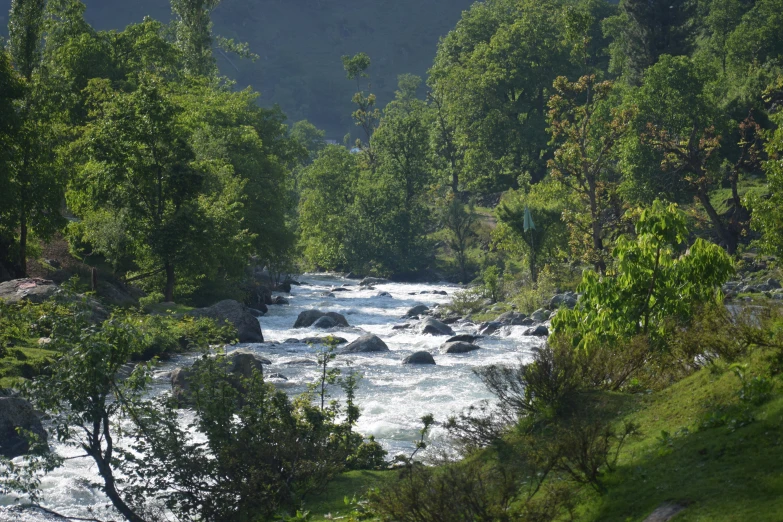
x=300, y=43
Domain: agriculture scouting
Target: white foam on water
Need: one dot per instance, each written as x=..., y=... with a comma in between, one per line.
x=393, y=397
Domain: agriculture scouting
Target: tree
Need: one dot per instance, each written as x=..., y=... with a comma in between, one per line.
x=585, y=130
x=193, y=27
x=768, y=212
x=678, y=119
x=366, y=114
x=644, y=30
x=327, y=194
x=655, y=285
x=459, y=222
x=10, y=92
x=546, y=241
x=310, y=137
x=138, y=167
x=35, y=184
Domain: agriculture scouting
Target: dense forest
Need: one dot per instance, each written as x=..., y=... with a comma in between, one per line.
x=625, y=158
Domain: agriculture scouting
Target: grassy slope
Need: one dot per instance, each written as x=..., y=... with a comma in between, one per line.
x=723, y=473
x=22, y=362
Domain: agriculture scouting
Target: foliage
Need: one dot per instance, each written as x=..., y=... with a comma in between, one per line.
x=458, y=220
x=654, y=288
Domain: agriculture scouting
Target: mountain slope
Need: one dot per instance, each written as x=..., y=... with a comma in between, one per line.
x=300, y=43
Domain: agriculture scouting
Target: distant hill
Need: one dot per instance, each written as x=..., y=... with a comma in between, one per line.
x=300, y=43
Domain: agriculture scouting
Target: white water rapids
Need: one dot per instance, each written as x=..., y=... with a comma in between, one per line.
x=392, y=396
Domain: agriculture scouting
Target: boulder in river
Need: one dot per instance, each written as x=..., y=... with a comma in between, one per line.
x=538, y=331
x=16, y=412
x=490, y=328
x=308, y=317
x=458, y=347
x=383, y=294
x=239, y=363
x=322, y=340
x=341, y=289
x=511, y=318
x=419, y=358
x=567, y=299
x=369, y=281
x=365, y=344
x=401, y=326
x=434, y=327
x=540, y=315
x=248, y=328
x=325, y=322
x=417, y=310
x=465, y=338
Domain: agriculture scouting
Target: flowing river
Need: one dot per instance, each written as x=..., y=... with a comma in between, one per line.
x=392, y=396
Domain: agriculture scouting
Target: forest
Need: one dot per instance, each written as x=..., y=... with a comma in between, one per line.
x=618, y=166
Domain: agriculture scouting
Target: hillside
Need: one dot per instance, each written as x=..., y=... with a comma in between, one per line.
x=300, y=69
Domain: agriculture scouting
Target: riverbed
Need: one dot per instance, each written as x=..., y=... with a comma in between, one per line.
x=392, y=396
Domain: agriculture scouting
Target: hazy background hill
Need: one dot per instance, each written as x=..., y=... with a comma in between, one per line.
x=300, y=43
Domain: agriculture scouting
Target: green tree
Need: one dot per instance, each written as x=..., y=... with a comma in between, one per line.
x=35, y=182
x=138, y=167
x=643, y=31
x=547, y=242
x=193, y=27
x=678, y=119
x=768, y=212
x=459, y=223
x=10, y=92
x=585, y=130
x=310, y=137
x=327, y=194
x=654, y=287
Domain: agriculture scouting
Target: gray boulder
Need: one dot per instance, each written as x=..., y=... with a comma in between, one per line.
x=538, y=331
x=401, y=326
x=341, y=289
x=369, y=281
x=510, y=318
x=321, y=340
x=383, y=294
x=276, y=377
x=567, y=299
x=308, y=317
x=366, y=344
x=434, y=327
x=417, y=310
x=248, y=328
x=16, y=412
x=465, y=338
x=419, y=358
x=325, y=322
x=540, y=315
x=458, y=347
x=490, y=328
x=34, y=290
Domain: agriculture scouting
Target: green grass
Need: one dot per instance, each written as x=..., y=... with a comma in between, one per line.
x=330, y=504
x=22, y=362
x=723, y=473
x=721, y=198
x=167, y=308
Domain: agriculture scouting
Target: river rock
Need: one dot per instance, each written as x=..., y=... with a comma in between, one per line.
x=419, y=358
x=540, y=315
x=417, y=310
x=300, y=362
x=465, y=338
x=284, y=287
x=341, y=289
x=255, y=312
x=248, y=328
x=279, y=300
x=325, y=322
x=276, y=377
x=490, y=328
x=365, y=344
x=327, y=294
x=538, y=331
x=16, y=412
x=383, y=294
x=567, y=299
x=434, y=327
x=401, y=326
x=369, y=281
x=308, y=317
x=510, y=318
x=451, y=319
x=34, y=290
x=458, y=347
x=322, y=340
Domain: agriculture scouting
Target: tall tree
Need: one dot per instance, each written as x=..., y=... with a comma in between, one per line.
x=35, y=185
x=194, y=34
x=586, y=130
x=138, y=168
x=644, y=30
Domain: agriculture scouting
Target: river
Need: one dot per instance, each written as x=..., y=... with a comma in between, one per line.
x=392, y=396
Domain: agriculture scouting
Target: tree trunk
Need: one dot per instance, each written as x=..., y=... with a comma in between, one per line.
x=23, y=241
x=169, y=292
x=598, y=242
x=729, y=239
